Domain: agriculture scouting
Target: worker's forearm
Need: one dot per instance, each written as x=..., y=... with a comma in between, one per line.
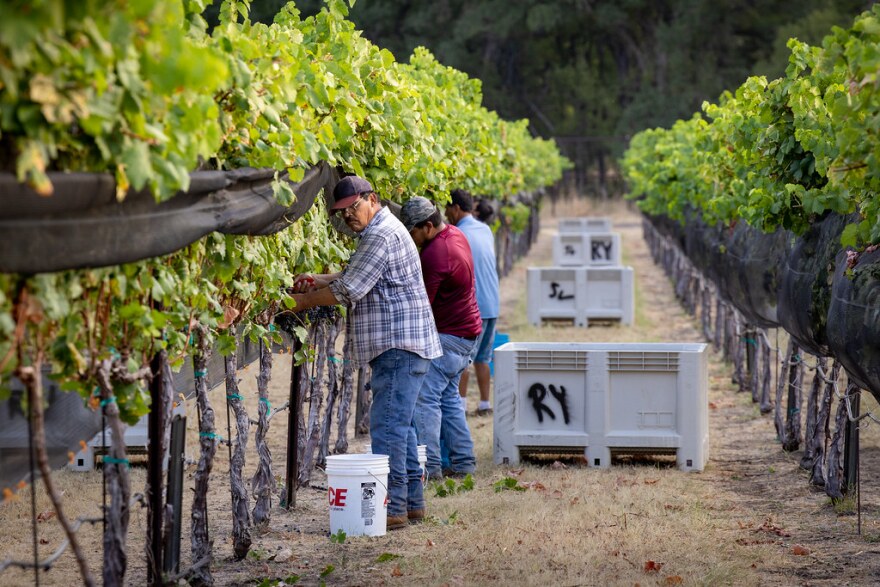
x=324, y=279
x=319, y=297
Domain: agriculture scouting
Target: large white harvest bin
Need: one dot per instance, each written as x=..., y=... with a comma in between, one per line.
x=137, y=441
x=580, y=294
x=578, y=249
x=585, y=224
x=597, y=399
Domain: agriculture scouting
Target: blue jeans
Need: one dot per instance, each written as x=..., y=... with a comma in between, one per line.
x=397, y=376
x=438, y=410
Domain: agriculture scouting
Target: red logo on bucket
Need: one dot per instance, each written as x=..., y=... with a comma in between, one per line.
x=337, y=496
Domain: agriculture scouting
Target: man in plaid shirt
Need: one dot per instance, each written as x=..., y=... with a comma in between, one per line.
x=393, y=331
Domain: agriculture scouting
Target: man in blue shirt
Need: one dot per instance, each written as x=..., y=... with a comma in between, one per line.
x=460, y=213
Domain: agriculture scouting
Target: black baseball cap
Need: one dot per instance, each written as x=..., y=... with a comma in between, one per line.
x=348, y=190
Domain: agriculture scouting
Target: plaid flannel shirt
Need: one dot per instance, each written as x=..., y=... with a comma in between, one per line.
x=383, y=285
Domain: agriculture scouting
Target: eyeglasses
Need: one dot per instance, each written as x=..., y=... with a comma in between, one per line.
x=351, y=210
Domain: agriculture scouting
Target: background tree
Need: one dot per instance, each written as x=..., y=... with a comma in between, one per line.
x=591, y=73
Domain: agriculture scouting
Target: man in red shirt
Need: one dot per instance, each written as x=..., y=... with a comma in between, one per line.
x=448, y=271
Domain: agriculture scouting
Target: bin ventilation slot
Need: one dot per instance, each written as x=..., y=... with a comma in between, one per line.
x=604, y=275
x=559, y=275
x=551, y=359
x=638, y=361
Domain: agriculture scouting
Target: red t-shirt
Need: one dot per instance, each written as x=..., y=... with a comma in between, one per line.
x=448, y=269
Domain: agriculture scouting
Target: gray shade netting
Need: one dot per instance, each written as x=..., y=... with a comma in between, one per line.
x=83, y=225
x=805, y=291
x=798, y=283
x=853, y=324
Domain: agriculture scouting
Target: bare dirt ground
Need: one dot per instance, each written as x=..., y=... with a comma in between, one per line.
x=750, y=518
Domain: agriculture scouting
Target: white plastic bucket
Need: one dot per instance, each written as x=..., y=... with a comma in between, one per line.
x=423, y=457
x=357, y=490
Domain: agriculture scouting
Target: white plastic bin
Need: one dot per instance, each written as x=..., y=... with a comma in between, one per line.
x=579, y=249
x=585, y=224
x=580, y=294
x=137, y=441
x=598, y=399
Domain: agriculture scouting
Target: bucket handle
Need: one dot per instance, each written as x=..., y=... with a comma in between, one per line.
x=370, y=473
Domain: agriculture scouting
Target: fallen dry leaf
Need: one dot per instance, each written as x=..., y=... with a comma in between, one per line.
x=47, y=515
x=396, y=572
x=556, y=494
x=713, y=406
x=673, y=580
x=557, y=465
x=769, y=527
x=653, y=566
x=651, y=481
x=44, y=541
x=515, y=472
x=799, y=550
x=672, y=507
x=574, y=500
x=429, y=543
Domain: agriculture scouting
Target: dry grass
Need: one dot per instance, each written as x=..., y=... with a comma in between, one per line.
x=639, y=522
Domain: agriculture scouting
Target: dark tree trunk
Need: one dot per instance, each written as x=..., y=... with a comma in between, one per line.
x=316, y=398
x=737, y=332
x=781, y=385
x=364, y=401
x=241, y=522
x=200, y=541
x=32, y=378
x=718, y=339
x=834, y=474
x=810, y=435
x=792, y=438
x=822, y=432
x=751, y=343
x=766, y=377
x=345, y=399
x=263, y=480
x=332, y=391
x=116, y=480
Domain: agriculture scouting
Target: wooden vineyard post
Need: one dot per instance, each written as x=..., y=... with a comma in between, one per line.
x=156, y=454
x=293, y=416
x=174, y=522
x=851, y=439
